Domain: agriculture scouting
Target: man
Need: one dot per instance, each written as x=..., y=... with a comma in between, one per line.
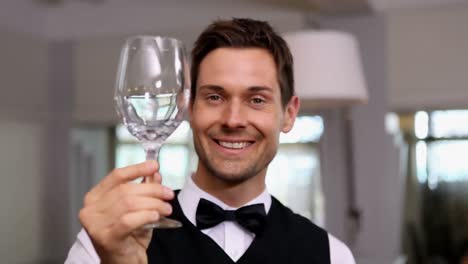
x=242, y=97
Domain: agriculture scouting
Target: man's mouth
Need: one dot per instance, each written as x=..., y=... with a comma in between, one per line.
x=234, y=144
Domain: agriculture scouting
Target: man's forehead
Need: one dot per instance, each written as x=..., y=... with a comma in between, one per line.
x=247, y=67
x=238, y=51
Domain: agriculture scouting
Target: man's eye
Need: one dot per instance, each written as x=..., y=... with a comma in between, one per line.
x=214, y=97
x=257, y=100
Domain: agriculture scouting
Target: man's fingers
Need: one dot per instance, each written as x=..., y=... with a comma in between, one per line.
x=122, y=175
x=127, y=174
x=134, y=204
x=128, y=190
x=155, y=178
x=130, y=222
x=95, y=220
x=155, y=190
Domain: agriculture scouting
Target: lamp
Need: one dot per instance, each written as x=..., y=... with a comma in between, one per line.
x=328, y=74
x=327, y=68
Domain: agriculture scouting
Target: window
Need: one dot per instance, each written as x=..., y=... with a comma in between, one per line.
x=442, y=146
x=436, y=204
x=293, y=176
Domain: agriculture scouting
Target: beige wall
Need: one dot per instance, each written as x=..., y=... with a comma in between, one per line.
x=23, y=104
x=21, y=166
x=95, y=69
x=428, y=58
x=23, y=75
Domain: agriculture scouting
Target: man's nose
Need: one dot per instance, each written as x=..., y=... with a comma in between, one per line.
x=234, y=115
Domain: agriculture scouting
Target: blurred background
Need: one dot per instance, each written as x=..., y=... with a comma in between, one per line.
x=407, y=199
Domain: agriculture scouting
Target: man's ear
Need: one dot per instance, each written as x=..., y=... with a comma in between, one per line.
x=290, y=113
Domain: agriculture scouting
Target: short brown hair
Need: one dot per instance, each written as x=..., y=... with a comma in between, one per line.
x=245, y=33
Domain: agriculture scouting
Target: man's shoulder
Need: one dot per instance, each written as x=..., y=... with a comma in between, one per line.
x=295, y=220
x=297, y=228
x=339, y=252
x=303, y=229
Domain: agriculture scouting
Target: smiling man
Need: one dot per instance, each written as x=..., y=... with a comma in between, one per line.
x=242, y=97
x=236, y=118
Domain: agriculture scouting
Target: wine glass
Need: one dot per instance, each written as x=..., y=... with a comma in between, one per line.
x=152, y=93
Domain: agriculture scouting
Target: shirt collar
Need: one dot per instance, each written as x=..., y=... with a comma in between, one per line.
x=190, y=195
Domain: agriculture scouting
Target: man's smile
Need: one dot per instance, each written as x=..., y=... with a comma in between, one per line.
x=234, y=145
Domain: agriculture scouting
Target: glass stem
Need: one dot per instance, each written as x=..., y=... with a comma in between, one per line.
x=151, y=150
x=152, y=154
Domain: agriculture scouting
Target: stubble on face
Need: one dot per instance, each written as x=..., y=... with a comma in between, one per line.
x=232, y=171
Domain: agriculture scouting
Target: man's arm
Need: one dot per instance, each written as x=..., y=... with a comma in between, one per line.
x=82, y=251
x=339, y=252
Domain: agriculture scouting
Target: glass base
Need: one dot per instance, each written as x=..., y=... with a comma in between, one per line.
x=164, y=223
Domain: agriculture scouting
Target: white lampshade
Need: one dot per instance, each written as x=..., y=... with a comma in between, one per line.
x=327, y=68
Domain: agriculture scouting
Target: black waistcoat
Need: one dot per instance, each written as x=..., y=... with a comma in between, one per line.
x=287, y=238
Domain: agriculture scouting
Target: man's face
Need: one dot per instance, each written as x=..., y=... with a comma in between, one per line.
x=236, y=115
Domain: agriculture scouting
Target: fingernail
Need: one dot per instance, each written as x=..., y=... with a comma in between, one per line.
x=168, y=208
x=168, y=192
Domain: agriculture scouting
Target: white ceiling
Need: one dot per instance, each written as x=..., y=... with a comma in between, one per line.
x=390, y=5
x=350, y=6
x=77, y=18
x=375, y=5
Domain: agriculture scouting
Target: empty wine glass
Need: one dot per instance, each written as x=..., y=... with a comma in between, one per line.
x=152, y=93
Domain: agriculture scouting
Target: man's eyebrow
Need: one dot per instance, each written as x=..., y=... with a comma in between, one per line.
x=212, y=87
x=260, y=89
x=217, y=88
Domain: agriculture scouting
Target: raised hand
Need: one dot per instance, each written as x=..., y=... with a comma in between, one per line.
x=116, y=210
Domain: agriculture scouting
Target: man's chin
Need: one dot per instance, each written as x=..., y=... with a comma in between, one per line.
x=231, y=177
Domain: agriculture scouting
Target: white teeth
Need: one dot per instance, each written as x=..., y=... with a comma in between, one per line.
x=234, y=145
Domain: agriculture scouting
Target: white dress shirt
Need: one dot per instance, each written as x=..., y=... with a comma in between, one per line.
x=231, y=237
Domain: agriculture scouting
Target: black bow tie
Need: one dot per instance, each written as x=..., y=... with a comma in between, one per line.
x=251, y=217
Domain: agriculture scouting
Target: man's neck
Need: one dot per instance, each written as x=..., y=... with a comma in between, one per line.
x=232, y=194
